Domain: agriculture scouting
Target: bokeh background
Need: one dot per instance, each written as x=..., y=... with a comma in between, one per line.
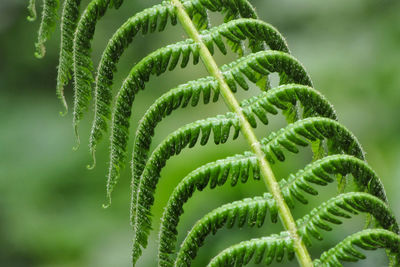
x=50, y=204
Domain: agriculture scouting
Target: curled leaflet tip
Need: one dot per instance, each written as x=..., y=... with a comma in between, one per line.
x=65, y=112
x=91, y=167
x=40, y=50
x=108, y=203
x=31, y=18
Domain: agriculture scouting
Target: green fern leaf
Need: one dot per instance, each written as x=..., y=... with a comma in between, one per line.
x=342, y=206
x=70, y=15
x=147, y=21
x=262, y=62
x=338, y=207
x=311, y=119
x=236, y=168
x=267, y=248
x=83, y=66
x=288, y=138
x=47, y=25
x=164, y=106
x=253, y=212
x=247, y=211
x=313, y=105
x=369, y=239
x=284, y=137
x=310, y=129
x=32, y=10
x=172, y=145
x=320, y=173
x=158, y=62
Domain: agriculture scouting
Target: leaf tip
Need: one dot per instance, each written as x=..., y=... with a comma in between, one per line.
x=32, y=11
x=40, y=50
x=107, y=204
x=91, y=167
x=63, y=102
x=31, y=18
x=64, y=112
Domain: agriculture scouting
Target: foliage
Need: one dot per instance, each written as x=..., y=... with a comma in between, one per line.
x=311, y=120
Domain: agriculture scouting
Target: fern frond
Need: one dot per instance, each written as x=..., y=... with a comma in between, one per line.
x=238, y=30
x=310, y=129
x=258, y=105
x=32, y=10
x=266, y=62
x=239, y=166
x=369, y=239
x=313, y=103
x=288, y=138
x=82, y=62
x=271, y=247
x=233, y=10
x=284, y=97
x=156, y=63
x=342, y=206
x=311, y=120
x=69, y=21
x=236, y=168
x=145, y=21
x=320, y=173
x=250, y=211
x=235, y=31
x=254, y=210
x=47, y=24
x=172, y=145
x=164, y=106
x=251, y=66
x=170, y=55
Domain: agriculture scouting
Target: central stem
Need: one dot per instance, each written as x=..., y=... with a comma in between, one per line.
x=248, y=133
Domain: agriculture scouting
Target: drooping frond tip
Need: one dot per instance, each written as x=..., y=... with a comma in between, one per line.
x=47, y=24
x=145, y=22
x=251, y=67
x=32, y=10
x=311, y=118
x=70, y=16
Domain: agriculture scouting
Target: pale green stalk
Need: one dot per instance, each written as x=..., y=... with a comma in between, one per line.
x=269, y=178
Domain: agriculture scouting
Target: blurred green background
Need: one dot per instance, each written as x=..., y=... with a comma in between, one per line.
x=50, y=204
